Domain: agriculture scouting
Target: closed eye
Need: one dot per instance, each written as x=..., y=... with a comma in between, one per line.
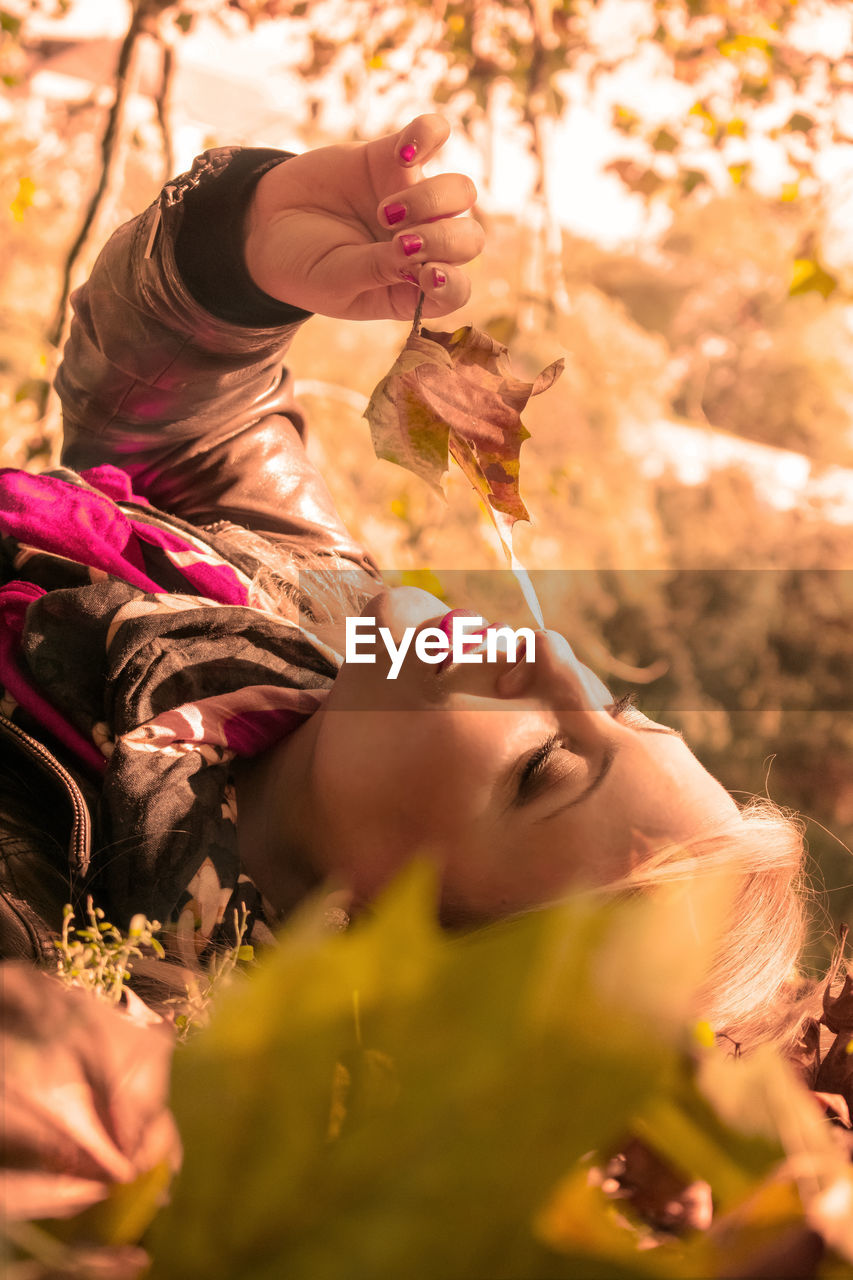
x=534, y=770
x=535, y=767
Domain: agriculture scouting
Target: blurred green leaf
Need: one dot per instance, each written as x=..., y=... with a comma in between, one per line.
x=123, y=1216
x=23, y=198
x=488, y=1065
x=691, y=179
x=579, y=1222
x=808, y=276
x=800, y=123
x=10, y=23
x=425, y=579
x=503, y=328
x=741, y=44
x=755, y=88
x=30, y=389
x=625, y=119
x=419, y=1103
x=664, y=140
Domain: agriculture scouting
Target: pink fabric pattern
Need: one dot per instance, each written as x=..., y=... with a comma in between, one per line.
x=61, y=518
x=130, y=637
x=113, y=483
x=242, y=723
x=54, y=515
x=15, y=599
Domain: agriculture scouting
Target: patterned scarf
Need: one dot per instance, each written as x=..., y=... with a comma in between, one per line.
x=149, y=661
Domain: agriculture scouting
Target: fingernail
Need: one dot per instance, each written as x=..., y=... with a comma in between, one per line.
x=411, y=244
x=407, y=275
x=394, y=213
x=408, y=152
x=438, y=278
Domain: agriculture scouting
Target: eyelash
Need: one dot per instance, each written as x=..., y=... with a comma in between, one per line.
x=621, y=704
x=536, y=764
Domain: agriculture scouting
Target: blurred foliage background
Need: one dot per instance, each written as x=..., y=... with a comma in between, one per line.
x=667, y=187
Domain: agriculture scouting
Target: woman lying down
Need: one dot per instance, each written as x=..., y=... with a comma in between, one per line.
x=180, y=735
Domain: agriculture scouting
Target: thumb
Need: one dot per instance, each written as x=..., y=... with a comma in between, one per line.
x=363, y=272
x=354, y=269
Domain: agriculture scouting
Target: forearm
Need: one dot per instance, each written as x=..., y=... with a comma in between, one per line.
x=171, y=341
x=173, y=368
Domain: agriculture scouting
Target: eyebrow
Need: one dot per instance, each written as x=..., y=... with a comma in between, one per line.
x=658, y=728
x=606, y=764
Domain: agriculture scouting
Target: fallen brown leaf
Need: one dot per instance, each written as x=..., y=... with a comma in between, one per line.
x=835, y=1074
x=455, y=394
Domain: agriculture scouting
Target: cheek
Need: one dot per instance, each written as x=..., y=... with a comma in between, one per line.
x=389, y=785
x=389, y=779
x=494, y=877
x=523, y=866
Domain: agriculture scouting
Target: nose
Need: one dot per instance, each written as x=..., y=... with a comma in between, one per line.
x=555, y=675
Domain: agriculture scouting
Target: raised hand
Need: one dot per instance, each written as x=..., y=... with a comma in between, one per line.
x=352, y=230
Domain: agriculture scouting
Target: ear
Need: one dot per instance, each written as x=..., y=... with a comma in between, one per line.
x=640, y=851
x=338, y=909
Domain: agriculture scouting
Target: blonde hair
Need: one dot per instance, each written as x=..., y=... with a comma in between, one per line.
x=306, y=586
x=754, y=991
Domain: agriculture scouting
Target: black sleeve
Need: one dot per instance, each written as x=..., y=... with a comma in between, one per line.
x=209, y=247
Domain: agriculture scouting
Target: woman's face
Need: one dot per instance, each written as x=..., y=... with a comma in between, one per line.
x=515, y=778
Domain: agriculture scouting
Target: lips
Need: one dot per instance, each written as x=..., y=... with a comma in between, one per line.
x=473, y=638
x=446, y=623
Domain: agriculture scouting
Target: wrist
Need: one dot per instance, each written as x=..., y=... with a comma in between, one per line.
x=256, y=232
x=210, y=247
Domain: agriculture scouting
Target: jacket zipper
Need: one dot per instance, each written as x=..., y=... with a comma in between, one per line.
x=80, y=844
x=173, y=192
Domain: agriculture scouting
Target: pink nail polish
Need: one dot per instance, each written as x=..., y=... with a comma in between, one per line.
x=438, y=278
x=411, y=244
x=408, y=152
x=394, y=213
x=407, y=275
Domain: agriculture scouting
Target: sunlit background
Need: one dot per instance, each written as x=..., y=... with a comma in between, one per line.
x=667, y=187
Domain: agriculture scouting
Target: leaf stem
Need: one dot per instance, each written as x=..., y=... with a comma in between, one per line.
x=416, y=323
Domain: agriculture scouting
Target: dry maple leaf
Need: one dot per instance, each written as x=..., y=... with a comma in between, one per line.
x=94, y=1113
x=455, y=393
x=836, y=1071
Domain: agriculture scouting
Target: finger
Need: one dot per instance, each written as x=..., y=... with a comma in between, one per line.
x=370, y=266
x=397, y=158
x=443, y=292
x=445, y=288
x=395, y=161
x=430, y=200
x=458, y=240
x=421, y=139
